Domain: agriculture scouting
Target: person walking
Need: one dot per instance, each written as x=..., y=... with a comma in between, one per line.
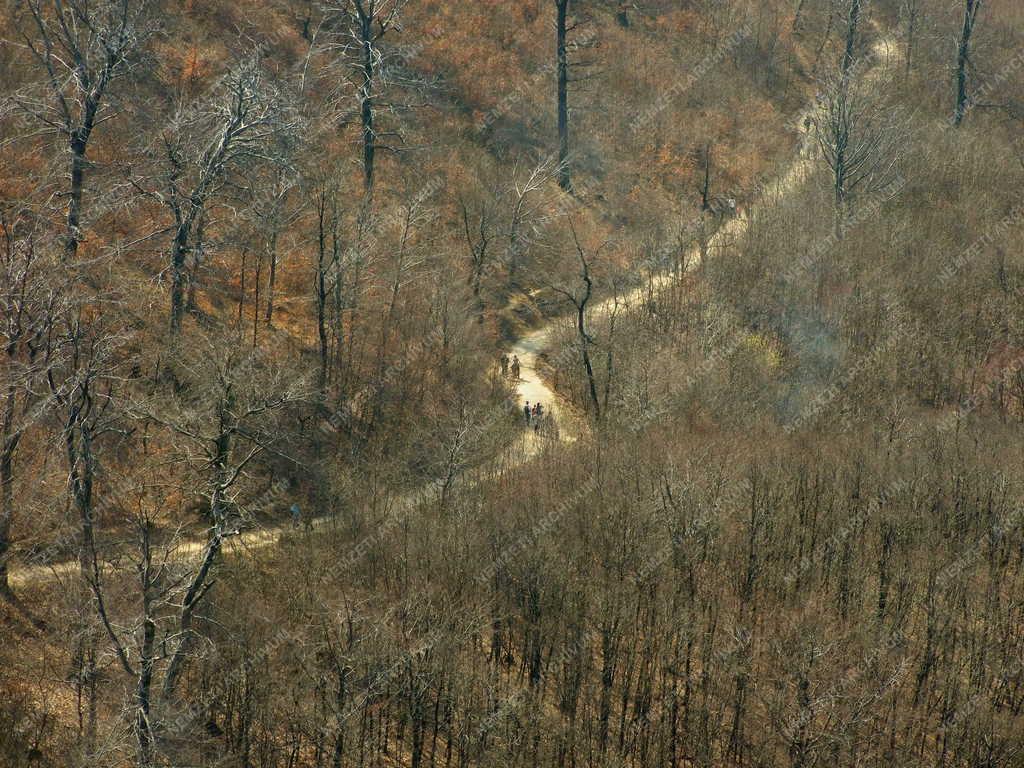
x=504, y=364
x=515, y=367
x=526, y=412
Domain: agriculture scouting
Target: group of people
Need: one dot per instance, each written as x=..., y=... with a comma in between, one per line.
x=535, y=414
x=538, y=418
x=510, y=366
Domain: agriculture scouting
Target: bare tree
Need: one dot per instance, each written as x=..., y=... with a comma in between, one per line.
x=326, y=202
x=478, y=230
x=565, y=25
x=367, y=22
x=579, y=299
x=562, y=59
x=150, y=578
x=136, y=640
x=963, y=57
x=82, y=384
x=524, y=204
x=711, y=208
x=275, y=209
x=500, y=221
x=31, y=302
x=228, y=418
x=81, y=47
x=860, y=139
x=236, y=127
x=409, y=258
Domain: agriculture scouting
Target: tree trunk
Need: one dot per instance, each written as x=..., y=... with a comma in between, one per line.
x=911, y=29
x=78, y=145
x=321, y=290
x=241, y=290
x=564, y=180
x=195, y=593
x=178, y=249
x=971, y=8
x=10, y=445
x=193, y=270
x=851, y=39
x=585, y=343
x=198, y=587
x=272, y=278
x=796, y=15
x=704, y=234
x=366, y=101
x=256, y=299
x=143, y=694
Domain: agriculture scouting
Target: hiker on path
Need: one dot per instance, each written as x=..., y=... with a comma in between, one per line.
x=504, y=364
x=296, y=514
x=538, y=416
x=515, y=367
x=526, y=412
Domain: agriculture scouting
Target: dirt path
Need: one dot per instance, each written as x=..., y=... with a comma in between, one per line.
x=531, y=385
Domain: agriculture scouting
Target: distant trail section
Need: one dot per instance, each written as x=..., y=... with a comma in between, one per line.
x=531, y=385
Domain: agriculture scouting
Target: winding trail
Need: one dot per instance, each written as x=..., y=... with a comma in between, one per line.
x=531, y=385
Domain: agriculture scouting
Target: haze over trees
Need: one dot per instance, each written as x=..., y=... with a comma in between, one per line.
x=267, y=498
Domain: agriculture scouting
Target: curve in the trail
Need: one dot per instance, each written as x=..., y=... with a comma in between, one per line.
x=530, y=385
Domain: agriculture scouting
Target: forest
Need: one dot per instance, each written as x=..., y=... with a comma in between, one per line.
x=520, y=383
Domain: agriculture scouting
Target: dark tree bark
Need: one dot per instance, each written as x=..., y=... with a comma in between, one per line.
x=797, y=14
x=963, y=54
x=320, y=285
x=274, y=212
x=852, y=22
x=478, y=237
x=241, y=287
x=366, y=95
x=147, y=649
x=561, y=12
x=8, y=447
x=369, y=21
x=585, y=339
x=271, y=278
x=179, y=249
x=200, y=583
x=580, y=304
